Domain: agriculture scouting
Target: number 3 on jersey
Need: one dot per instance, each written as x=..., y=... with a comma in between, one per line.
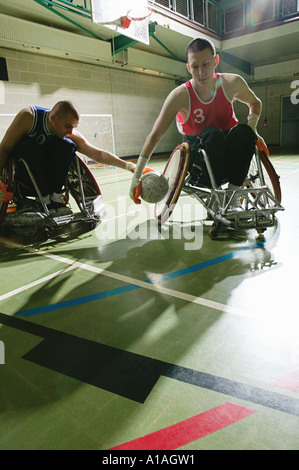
x=199, y=117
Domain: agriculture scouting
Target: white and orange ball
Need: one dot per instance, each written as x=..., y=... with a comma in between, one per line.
x=154, y=187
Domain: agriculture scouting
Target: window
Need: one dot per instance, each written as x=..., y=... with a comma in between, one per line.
x=234, y=17
x=262, y=11
x=290, y=7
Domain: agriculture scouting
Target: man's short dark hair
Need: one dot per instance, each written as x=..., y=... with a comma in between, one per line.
x=62, y=108
x=199, y=44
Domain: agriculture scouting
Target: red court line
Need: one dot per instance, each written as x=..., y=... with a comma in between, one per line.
x=289, y=381
x=189, y=430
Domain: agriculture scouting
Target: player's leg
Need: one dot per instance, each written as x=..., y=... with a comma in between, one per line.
x=213, y=140
x=33, y=156
x=58, y=157
x=241, y=141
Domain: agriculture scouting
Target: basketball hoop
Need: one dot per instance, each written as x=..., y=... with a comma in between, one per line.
x=127, y=17
x=135, y=16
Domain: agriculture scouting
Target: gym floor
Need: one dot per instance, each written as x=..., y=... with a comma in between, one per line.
x=131, y=338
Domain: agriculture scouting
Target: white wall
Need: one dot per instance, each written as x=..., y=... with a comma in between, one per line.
x=133, y=99
x=271, y=95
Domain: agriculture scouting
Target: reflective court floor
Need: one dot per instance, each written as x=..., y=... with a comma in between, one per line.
x=132, y=338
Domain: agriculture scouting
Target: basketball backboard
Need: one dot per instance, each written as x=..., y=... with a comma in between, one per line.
x=127, y=17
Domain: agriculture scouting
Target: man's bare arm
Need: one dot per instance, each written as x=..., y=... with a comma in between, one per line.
x=236, y=88
x=176, y=101
x=21, y=124
x=94, y=153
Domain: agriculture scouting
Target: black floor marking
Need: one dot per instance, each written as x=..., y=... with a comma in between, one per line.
x=128, y=374
x=123, y=373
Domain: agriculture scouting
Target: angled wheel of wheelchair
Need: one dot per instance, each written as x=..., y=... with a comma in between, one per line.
x=18, y=220
x=8, y=180
x=266, y=175
x=38, y=225
x=82, y=186
x=175, y=172
x=271, y=178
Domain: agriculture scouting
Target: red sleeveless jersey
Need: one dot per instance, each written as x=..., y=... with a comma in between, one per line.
x=218, y=112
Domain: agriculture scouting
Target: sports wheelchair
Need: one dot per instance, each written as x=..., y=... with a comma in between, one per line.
x=29, y=219
x=259, y=197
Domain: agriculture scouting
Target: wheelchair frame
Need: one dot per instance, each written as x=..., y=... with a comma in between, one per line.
x=80, y=184
x=258, y=203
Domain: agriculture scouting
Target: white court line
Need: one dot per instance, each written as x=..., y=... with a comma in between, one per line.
x=35, y=283
x=122, y=215
x=129, y=280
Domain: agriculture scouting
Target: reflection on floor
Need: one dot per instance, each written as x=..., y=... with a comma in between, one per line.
x=133, y=338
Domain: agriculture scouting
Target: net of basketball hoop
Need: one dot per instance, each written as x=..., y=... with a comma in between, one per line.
x=127, y=17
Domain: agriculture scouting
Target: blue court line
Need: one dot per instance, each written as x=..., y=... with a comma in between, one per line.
x=124, y=289
x=74, y=302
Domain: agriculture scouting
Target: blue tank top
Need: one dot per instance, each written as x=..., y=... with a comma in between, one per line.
x=39, y=133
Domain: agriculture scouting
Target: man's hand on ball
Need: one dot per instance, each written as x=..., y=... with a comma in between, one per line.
x=135, y=190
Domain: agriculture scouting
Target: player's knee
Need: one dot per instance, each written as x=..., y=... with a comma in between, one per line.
x=244, y=131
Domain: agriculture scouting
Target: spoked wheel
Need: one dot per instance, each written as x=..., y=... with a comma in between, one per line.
x=7, y=179
x=89, y=184
x=261, y=172
x=269, y=177
x=175, y=173
x=81, y=185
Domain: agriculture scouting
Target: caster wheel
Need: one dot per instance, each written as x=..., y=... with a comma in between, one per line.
x=214, y=231
x=260, y=236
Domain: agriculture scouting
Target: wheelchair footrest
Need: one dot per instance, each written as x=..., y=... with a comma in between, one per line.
x=255, y=219
x=63, y=219
x=67, y=219
x=245, y=220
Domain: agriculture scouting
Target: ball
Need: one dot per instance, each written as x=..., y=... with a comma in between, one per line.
x=154, y=187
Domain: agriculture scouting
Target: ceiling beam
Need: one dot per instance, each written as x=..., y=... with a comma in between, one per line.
x=236, y=62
